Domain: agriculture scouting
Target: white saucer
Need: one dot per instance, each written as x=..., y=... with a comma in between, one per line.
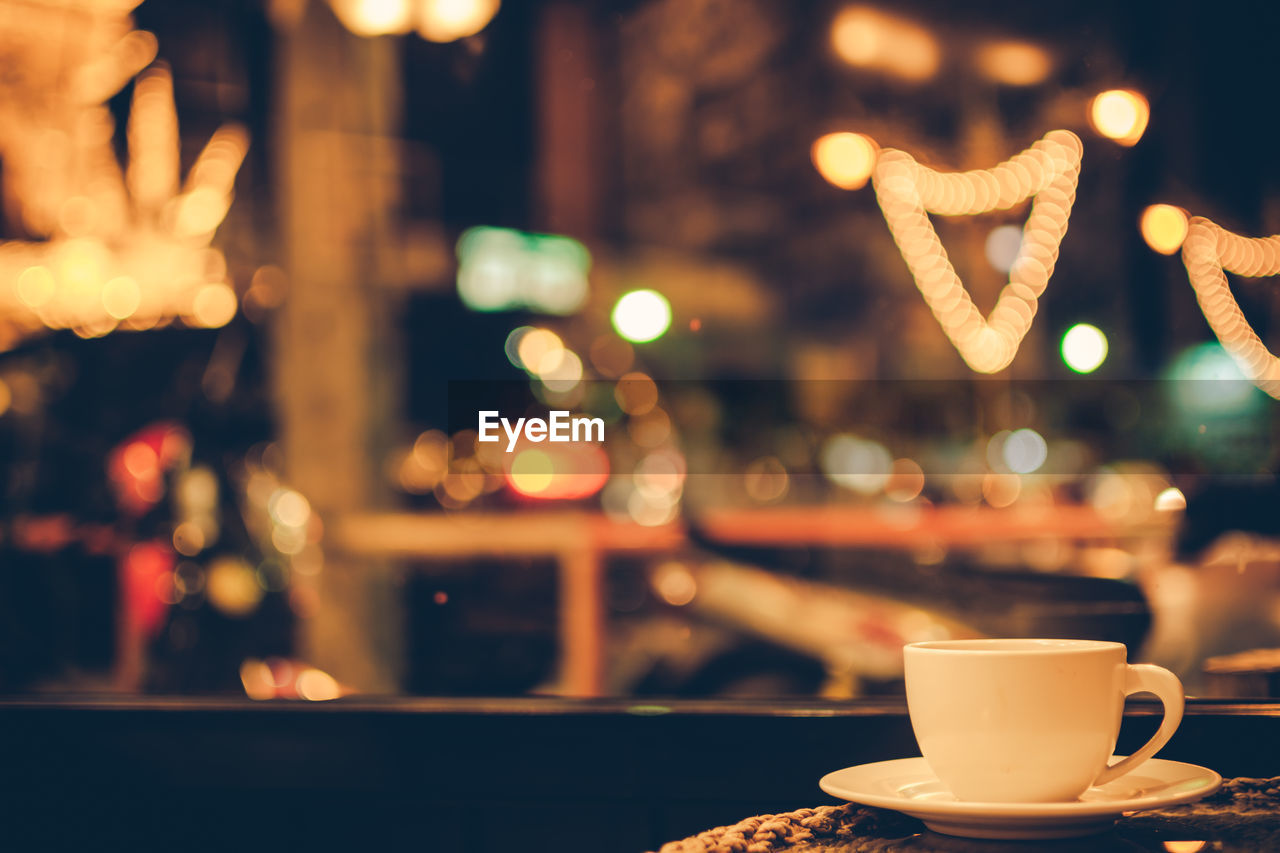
x=908, y=785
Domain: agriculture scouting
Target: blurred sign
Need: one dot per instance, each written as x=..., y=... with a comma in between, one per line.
x=500, y=269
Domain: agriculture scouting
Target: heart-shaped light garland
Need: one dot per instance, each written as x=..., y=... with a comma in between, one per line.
x=908, y=192
x=1209, y=253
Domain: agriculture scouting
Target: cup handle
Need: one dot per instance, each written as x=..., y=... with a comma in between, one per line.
x=1165, y=685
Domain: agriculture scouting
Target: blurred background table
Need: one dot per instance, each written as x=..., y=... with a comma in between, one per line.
x=581, y=543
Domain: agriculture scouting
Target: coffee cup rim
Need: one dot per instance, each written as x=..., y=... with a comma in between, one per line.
x=1015, y=646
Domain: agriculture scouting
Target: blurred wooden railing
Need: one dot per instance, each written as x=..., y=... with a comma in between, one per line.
x=581, y=542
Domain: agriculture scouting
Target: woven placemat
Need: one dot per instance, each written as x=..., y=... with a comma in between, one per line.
x=1244, y=813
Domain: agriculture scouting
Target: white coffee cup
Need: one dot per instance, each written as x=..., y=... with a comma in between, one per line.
x=1029, y=721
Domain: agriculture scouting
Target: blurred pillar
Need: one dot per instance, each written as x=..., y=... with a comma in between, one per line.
x=338, y=110
x=582, y=620
x=570, y=178
x=570, y=187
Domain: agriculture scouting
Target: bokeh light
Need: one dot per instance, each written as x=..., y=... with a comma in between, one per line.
x=844, y=159
x=121, y=297
x=660, y=475
x=1209, y=252
x=1024, y=451
x=188, y=538
x=1003, y=246
x=766, y=480
x=1014, y=63
x=512, y=345
x=1164, y=227
x=562, y=373
x=868, y=38
x=674, y=583
x=141, y=460
x=1208, y=381
x=636, y=393
x=611, y=356
x=289, y=508
x=424, y=466
x=539, y=349
x=1185, y=846
x=214, y=305
x=531, y=472
x=315, y=685
x=111, y=244
x=906, y=481
x=569, y=471
x=257, y=680
x=231, y=585
x=1001, y=490
x=1120, y=114
x=450, y=20
x=649, y=429
x=268, y=287
x=463, y=482
x=908, y=192
x=281, y=678
x=501, y=269
x=36, y=286
x=1171, y=500
x=650, y=510
x=857, y=464
x=1125, y=492
x=374, y=17
x=642, y=315
x=1084, y=348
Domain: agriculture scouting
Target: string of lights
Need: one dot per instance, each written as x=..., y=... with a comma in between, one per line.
x=120, y=248
x=1209, y=253
x=908, y=192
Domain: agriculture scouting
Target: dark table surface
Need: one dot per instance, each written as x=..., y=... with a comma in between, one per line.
x=463, y=775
